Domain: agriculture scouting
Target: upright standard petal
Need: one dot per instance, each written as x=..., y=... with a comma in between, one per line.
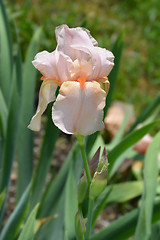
x=46, y=95
x=101, y=59
x=79, y=110
x=45, y=62
x=69, y=38
x=104, y=62
x=55, y=65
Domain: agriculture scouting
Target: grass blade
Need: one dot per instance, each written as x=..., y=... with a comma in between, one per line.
x=12, y=130
x=71, y=205
x=124, y=227
x=117, y=193
x=6, y=58
x=54, y=201
x=146, y=112
x=143, y=229
x=155, y=231
x=120, y=132
x=51, y=135
x=14, y=223
x=56, y=189
x=126, y=154
x=29, y=227
x=2, y=197
x=126, y=143
x=25, y=138
x=120, y=229
x=3, y=115
x=54, y=229
x=123, y=192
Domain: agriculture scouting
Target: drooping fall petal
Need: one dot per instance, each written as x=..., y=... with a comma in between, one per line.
x=46, y=95
x=79, y=110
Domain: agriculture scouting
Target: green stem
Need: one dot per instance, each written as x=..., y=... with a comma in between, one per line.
x=89, y=179
x=85, y=162
x=89, y=218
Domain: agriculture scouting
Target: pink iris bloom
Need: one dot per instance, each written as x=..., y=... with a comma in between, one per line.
x=79, y=67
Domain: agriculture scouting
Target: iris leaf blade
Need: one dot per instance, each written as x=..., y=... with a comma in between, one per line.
x=126, y=143
x=143, y=228
x=25, y=138
x=12, y=129
x=6, y=58
x=15, y=221
x=29, y=227
x=49, y=141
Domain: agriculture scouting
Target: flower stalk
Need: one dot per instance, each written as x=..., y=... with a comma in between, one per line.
x=81, y=141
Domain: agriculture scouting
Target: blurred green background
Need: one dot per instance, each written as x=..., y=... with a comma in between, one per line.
x=139, y=78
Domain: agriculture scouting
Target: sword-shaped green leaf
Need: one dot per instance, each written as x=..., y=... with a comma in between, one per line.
x=25, y=138
x=143, y=229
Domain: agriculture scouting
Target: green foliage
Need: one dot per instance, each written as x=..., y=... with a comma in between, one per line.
x=51, y=135
x=57, y=186
x=25, y=137
x=2, y=197
x=117, y=193
x=3, y=115
x=16, y=220
x=147, y=111
x=28, y=229
x=67, y=207
x=124, y=227
x=150, y=183
x=71, y=205
x=6, y=58
x=79, y=226
x=120, y=229
x=155, y=231
x=126, y=143
x=12, y=130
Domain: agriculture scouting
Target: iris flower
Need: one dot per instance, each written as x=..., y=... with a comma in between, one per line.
x=80, y=68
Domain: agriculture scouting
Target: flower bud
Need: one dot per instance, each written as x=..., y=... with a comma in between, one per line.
x=82, y=189
x=99, y=180
x=80, y=226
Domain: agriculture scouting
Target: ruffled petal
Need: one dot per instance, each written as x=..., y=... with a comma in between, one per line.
x=46, y=95
x=64, y=67
x=69, y=38
x=55, y=65
x=79, y=110
x=45, y=62
x=102, y=61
